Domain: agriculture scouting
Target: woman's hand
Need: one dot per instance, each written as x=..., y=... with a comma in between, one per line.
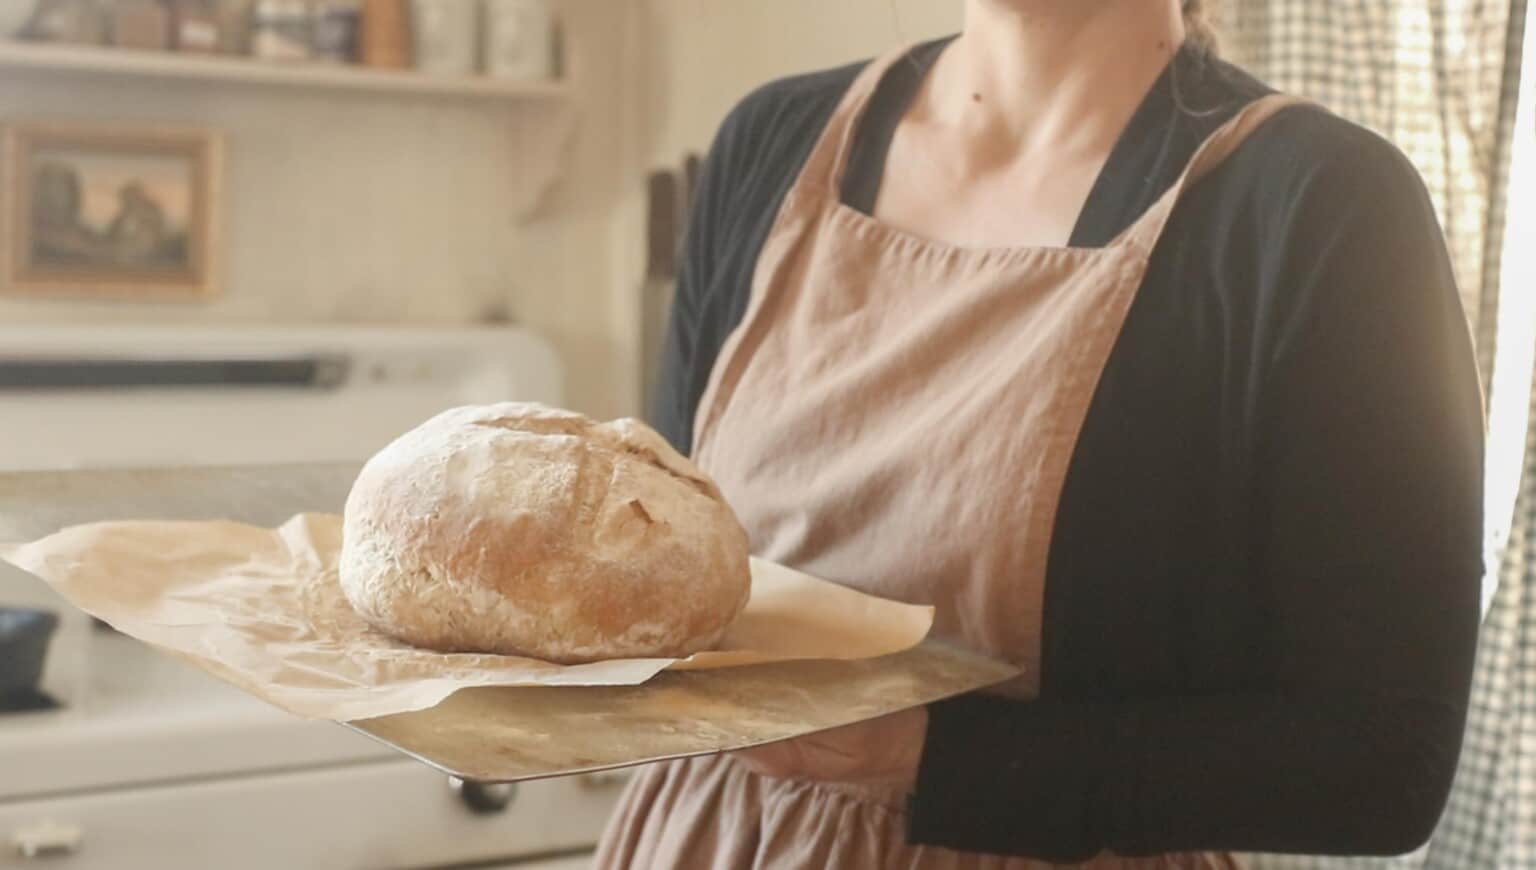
x=882, y=751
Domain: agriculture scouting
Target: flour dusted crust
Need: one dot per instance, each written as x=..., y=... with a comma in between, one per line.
x=525, y=530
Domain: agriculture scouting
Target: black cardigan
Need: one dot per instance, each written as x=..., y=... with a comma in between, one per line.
x=1262, y=594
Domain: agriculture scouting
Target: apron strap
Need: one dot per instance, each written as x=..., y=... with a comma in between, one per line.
x=829, y=159
x=1217, y=147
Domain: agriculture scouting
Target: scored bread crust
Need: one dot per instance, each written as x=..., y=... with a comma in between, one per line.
x=521, y=529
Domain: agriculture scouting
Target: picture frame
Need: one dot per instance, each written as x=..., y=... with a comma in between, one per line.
x=109, y=210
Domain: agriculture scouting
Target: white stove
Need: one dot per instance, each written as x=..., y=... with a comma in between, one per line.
x=150, y=763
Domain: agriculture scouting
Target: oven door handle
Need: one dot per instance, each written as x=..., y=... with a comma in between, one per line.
x=311, y=371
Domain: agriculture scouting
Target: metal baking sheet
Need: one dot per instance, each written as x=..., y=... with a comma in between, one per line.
x=510, y=734
x=505, y=735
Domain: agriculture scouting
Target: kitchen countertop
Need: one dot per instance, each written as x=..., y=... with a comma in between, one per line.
x=38, y=503
x=148, y=718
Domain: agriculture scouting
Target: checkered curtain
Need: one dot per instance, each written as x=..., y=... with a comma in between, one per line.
x=1431, y=75
x=1441, y=79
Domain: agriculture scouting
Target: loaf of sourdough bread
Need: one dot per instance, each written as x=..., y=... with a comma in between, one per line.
x=521, y=529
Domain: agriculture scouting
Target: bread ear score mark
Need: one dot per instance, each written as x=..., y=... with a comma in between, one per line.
x=639, y=509
x=535, y=427
x=574, y=427
x=650, y=458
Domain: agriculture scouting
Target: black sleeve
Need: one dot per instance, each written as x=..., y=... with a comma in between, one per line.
x=1367, y=513
x=673, y=408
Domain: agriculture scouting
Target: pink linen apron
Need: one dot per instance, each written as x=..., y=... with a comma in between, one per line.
x=898, y=415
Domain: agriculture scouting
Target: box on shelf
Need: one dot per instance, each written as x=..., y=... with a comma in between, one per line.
x=445, y=36
x=141, y=24
x=195, y=25
x=520, y=40
x=74, y=21
x=335, y=30
x=234, y=19
x=386, y=34
x=280, y=30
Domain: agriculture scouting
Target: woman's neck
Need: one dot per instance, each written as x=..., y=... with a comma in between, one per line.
x=1059, y=75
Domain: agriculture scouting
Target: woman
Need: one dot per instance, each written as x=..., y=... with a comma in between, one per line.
x=1154, y=383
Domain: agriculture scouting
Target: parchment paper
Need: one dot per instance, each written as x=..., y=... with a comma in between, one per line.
x=262, y=609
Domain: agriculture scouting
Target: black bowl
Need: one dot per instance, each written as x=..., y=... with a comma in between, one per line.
x=24, y=636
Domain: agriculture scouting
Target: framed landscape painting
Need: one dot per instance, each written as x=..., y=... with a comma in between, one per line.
x=109, y=210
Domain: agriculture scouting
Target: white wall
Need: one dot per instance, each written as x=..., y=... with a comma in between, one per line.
x=707, y=54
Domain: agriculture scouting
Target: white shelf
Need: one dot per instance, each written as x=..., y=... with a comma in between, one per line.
x=103, y=61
